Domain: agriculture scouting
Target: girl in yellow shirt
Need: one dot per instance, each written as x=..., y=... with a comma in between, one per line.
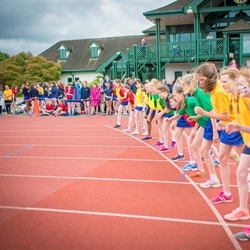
x=207, y=76
x=242, y=109
x=7, y=95
x=139, y=107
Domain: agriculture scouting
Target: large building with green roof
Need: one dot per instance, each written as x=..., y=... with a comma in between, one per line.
x=176, y=43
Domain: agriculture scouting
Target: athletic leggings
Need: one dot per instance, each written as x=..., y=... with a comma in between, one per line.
x=7, y=106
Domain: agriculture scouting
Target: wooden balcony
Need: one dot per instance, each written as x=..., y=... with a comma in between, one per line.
x=179, y=51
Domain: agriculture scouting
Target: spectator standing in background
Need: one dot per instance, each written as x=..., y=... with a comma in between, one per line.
x=210, y=36
x=143, y=42
x=233, y=64
x=26, y=96
x=95, y=98
x=85, y=96
x=7, y=95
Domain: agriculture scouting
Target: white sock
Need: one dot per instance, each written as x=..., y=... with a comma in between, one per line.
x=214, y=177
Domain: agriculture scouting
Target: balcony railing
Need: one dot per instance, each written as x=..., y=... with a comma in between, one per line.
x=179, y=51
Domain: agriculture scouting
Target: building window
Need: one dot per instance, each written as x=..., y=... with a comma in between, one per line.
x=62, y=54
x=94, y=52
x=177, y=74
x=246, y=43
x=77, y=79
x=70, y=79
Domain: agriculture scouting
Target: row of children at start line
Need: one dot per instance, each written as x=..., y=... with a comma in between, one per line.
x=215, y=107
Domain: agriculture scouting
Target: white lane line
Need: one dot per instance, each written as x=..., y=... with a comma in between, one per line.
x=101, y=179
x=212, y=207
x=74, y=145
x=79, y=158
x=130, y=216
x=95, y=179
x=63, y=136
x=57, y=130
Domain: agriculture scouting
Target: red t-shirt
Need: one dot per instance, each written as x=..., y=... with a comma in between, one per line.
x=14, y=92
x=63, y=107
x=50, y=107
x=121, y=94
x=68, y=93
x=131, y=99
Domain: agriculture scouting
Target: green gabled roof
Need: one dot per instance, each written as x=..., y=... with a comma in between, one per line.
x=172, y=14
x=175, y=7
x=114, y=57
x=79, y=58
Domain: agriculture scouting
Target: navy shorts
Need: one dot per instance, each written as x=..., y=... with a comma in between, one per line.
x=148, y=110
x=41, y=97
x=208, y=131
x=246, y=150
x=124, y=103
x=107, y=98
x=181, y=123
x=167, y=115
x=26, y=98
x=138, y=108
x=234, y=139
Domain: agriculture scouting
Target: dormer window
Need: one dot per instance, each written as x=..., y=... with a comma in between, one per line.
x=63, y=53
x=95, y=50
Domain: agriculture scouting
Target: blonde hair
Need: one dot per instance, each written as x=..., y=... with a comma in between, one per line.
x=245, y=73
x=191, y=81
x=163, y=88
x=233, y=73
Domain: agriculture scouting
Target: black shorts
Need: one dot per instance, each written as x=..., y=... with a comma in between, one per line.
x=246, y=150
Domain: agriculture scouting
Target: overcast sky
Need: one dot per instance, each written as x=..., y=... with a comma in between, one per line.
x=35, y=25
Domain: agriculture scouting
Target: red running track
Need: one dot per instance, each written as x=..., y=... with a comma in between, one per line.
x=78, y=183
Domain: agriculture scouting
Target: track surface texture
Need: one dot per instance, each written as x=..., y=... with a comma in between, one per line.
x=78, y=183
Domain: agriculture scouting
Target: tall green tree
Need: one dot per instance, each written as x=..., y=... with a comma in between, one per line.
x=3, y=56
x=26, y=67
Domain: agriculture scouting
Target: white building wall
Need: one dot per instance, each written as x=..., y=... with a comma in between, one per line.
x=171, y=68
x=83, y=76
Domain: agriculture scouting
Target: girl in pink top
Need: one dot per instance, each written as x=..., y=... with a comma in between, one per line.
x=95, y=98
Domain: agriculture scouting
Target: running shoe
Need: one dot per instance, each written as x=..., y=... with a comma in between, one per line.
x=117, y=126
x=147, y=138
x=244, y=235
x=216, y=163
x=237, y=214
x=136, y=132
x=173, y=145
x=197, y=174
x=127, y=130
x=145, y=133
x=164, y=149
x=189, y=167
x=158, y=144
x=210, y=183
x=222, y=198
x=178, y=157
